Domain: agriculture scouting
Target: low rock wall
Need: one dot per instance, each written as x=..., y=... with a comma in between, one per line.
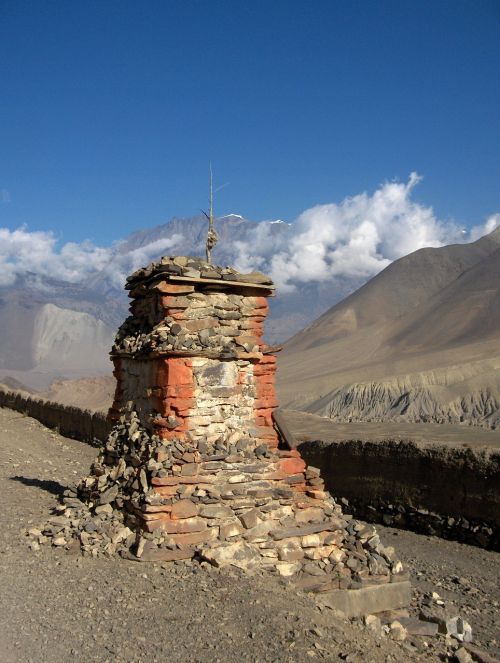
x=91, y=427
x=448, y=491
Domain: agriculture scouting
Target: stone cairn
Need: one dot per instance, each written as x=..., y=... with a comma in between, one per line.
x=194, y=468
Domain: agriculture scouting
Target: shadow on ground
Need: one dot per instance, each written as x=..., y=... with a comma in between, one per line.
x=48, y=485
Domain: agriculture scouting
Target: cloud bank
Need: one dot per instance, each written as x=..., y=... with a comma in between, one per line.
x=38, y=254
x=354, y=239
x=124, y=263
x=362, y=235
x=23, y=252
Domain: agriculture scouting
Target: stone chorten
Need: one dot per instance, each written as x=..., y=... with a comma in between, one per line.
x=193, y=467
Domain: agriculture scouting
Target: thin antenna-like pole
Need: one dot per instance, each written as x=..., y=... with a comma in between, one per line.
x=210, y=212
x=211, y=235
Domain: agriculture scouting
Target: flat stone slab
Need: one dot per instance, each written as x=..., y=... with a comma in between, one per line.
x=368, y=600
x=305, y=427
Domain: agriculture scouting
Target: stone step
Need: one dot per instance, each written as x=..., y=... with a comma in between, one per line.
x=368, y=600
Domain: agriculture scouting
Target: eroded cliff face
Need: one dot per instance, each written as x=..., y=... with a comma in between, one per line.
x=434, y=397
x=64, y=339
x=39, y=337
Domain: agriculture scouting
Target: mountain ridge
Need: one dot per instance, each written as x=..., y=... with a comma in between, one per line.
x=440, y=315
x=102, y=296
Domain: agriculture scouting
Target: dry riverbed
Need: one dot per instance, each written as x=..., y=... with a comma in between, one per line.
x=59, y=606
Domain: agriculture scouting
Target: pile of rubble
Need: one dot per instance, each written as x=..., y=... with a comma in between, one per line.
x=154, y=500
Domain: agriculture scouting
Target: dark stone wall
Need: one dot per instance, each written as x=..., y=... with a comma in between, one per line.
x=91, y=427
x=449, y=491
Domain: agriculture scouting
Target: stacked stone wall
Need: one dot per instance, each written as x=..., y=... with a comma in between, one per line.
x=224, y=383
x=374, y=500
x=443, y=490
x=91, y=427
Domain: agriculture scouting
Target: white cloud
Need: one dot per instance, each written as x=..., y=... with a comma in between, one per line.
x=123, y=264
x=353, y=239
x=489, y=226
x=23, y=252
x=362, y=235
x=247, y=256
x=37, y=253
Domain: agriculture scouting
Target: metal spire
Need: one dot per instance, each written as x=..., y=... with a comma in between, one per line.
x=212, y=236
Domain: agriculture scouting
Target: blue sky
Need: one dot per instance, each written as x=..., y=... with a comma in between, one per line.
x=111, y=110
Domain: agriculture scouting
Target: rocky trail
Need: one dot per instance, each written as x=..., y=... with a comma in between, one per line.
x=59, y=606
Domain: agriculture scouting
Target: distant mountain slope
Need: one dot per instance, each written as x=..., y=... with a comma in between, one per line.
x=420, y=341
x=103, y=298
x=54, y=324
x=62, y=339
x=243, y=243
x=466, y=311
x=88, y=393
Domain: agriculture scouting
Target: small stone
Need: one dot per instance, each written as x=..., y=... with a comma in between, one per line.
x=34, y=531
x=59, y=541
x=109, y=495
x=122, y=534
x=397, y=567
x=290, y=552
x=230, y=530
x=237, y=478
x=463, y=656
x=397, y=631
x=216, y=511
x=459, y=629
x=311, y=541
x=321, y=552
x=104, y=508
x=250, y=519
x=420, y=627
x=140, y=547
x=373, y=623
x=287, y=569
x=313, y=569
x=239, y=554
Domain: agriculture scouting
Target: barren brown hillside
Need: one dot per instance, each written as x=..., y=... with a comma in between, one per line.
x=87, y=393
x=420, y=341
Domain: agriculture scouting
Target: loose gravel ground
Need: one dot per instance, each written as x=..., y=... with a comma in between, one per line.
x=61, y=607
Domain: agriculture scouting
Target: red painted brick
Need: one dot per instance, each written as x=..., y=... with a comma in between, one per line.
x=182, y=404
x=292, y=465
x=289, y=453
x=179, y=372
x=261, y=303
x=178, y=526
x=172, y=289
x=266, y=403
x=194, y=538
x=183, y=509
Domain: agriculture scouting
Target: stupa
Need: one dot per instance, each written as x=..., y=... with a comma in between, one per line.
x=194, y=463
x=194, y=467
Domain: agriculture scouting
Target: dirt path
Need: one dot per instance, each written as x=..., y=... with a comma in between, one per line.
x=62, y=607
